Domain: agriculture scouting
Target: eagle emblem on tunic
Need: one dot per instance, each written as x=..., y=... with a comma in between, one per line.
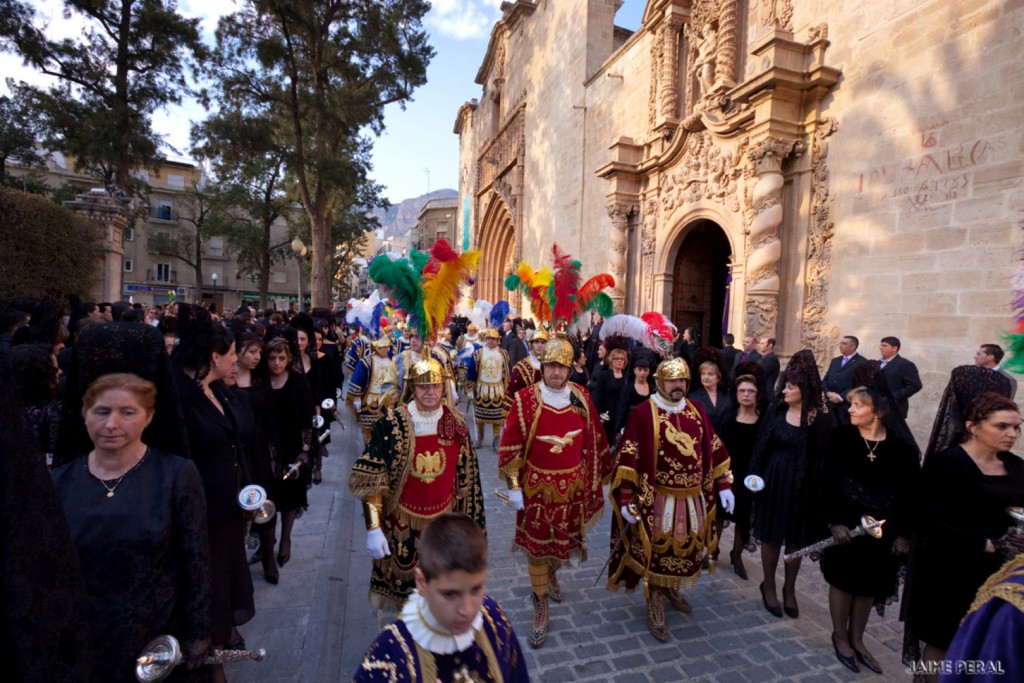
x=428, y=466
x=558, y=443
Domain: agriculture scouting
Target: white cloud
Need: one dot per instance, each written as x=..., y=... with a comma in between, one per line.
x=463, y=19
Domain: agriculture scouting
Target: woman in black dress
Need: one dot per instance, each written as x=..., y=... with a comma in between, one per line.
x=205, y=356
x=292, y=404
x=868, y=470
x=580, y=373
x=739, y=436
x=608, y=387
x=637, y=390
x=138, y=519
x=964, y=533
x=712, y=395
x=788, y=457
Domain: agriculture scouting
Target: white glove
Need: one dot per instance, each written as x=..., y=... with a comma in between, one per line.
x=357, y=404
x=627, y=515
x=605, y=417
x=515, y=499
x=728, y=500
x=376, y=544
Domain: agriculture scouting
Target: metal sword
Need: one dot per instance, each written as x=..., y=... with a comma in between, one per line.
x=633, y=510
x=868, y=525
x=163, y=653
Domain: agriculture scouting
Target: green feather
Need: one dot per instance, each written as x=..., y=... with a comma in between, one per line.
x=512, y=282
x=604, y=305
x=418, y=260
x=401, y=281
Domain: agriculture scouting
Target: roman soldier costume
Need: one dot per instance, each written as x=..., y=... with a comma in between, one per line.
x=373, y=388
x=526, y=372
x=670, y=467
x=486, y=380
x=415, y=467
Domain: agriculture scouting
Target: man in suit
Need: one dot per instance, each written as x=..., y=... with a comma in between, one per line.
x=991, y=356
x=770, y=362
x=838, y=379
x=728, y=354
x=900, y=374
x=749, y=352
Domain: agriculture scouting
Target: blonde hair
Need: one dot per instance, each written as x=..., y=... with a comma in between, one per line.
x=712, y=365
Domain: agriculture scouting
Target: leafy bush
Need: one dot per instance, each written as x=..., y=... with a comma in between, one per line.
x=46, y=249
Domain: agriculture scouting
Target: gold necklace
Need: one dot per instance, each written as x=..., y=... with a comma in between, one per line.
x=117, y=482
x=871, y=449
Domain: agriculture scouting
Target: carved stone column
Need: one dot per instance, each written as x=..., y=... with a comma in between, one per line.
x=762, y=304
x=670, y=68
x=619, y=213
x=725, y=60
x=100, y=209
x=648, y=242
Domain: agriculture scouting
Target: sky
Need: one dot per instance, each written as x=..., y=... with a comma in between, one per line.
x=418, y=152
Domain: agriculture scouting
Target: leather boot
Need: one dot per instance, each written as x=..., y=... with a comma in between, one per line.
x=539, y=629
x=656, y=615
x=554, y=589
x=479, y=434
x=679, y=602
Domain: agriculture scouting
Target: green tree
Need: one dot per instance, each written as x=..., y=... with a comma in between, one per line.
x=20, y=133
x=131, y=58
x=321, y=72
x=48, y=250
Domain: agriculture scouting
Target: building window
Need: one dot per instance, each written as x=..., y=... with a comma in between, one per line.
x=162, y=211
x=129, y=234
x=129, y=265
x=141, y=175
x=163, y=272
x=279, y=277
x=215, y=247
x=176, y=181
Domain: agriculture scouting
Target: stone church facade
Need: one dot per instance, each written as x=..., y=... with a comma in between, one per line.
x=795, y=168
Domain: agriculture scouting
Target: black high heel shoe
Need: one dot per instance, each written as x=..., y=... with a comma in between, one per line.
x=793, y=611
x=843, y=659
x=867, y=660
x=774, y=611
x=736, y=557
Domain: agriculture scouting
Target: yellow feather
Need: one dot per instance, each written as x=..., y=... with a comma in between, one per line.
x=525, y=273
x=442, y=291
x=542, y=278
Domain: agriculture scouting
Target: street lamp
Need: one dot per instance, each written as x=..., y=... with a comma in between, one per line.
x=214, y=276
x=299, y=248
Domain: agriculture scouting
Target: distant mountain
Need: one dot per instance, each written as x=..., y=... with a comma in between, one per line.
x=400, y=218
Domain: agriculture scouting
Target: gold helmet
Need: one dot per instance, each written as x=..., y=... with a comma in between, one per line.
x=675, y=368
x=382, y=343
x=471, y=329
x=559, y=350
x=426, y=371
x=540, y=334
x=491, y=333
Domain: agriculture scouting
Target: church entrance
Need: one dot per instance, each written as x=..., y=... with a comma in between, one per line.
x=700, y=282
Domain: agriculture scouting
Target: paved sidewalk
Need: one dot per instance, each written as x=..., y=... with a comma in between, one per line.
x=317, y=623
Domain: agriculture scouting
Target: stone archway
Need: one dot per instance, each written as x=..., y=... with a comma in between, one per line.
x=700, y=282
x=497, y=247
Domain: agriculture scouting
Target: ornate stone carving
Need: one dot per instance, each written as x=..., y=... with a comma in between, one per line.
x=725, y=59
x=762, y=269
x=708, y=172
x=648, y=244
x=778, y=14
x=669, y=38
x=815, y=333
x=619, y=213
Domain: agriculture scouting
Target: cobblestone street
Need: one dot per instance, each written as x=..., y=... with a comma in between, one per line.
x=317, y=623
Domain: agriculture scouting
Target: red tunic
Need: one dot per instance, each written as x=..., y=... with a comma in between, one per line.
x=523, y=375
x=560, y=457
x=430, y=487
x=671, y=465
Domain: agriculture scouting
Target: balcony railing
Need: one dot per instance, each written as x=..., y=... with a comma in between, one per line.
x=151, y=276
x=163, y=212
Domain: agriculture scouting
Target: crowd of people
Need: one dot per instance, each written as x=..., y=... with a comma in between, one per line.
x=133, y=432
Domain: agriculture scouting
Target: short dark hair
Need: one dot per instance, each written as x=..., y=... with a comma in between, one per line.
x=856, y=342
x=986, y=403
x=34, y=373
x=994, y=350
x=771, y=340
x=452, y=542
x=729, y=338
x=891, y=341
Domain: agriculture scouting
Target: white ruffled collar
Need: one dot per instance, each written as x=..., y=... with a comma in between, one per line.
x=667, y=405
x=430, y=635
x=424, y=424
x=534, y=361
x=556, y=398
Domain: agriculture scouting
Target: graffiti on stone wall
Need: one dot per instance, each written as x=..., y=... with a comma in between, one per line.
x=926, y=182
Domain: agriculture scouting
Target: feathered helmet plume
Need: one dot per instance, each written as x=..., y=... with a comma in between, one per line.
x=652, y=330
x=426, y=285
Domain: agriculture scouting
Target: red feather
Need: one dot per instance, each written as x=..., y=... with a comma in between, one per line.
x=567, y=282
x=659, y=325
x=442, y=251
x=590, y=289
